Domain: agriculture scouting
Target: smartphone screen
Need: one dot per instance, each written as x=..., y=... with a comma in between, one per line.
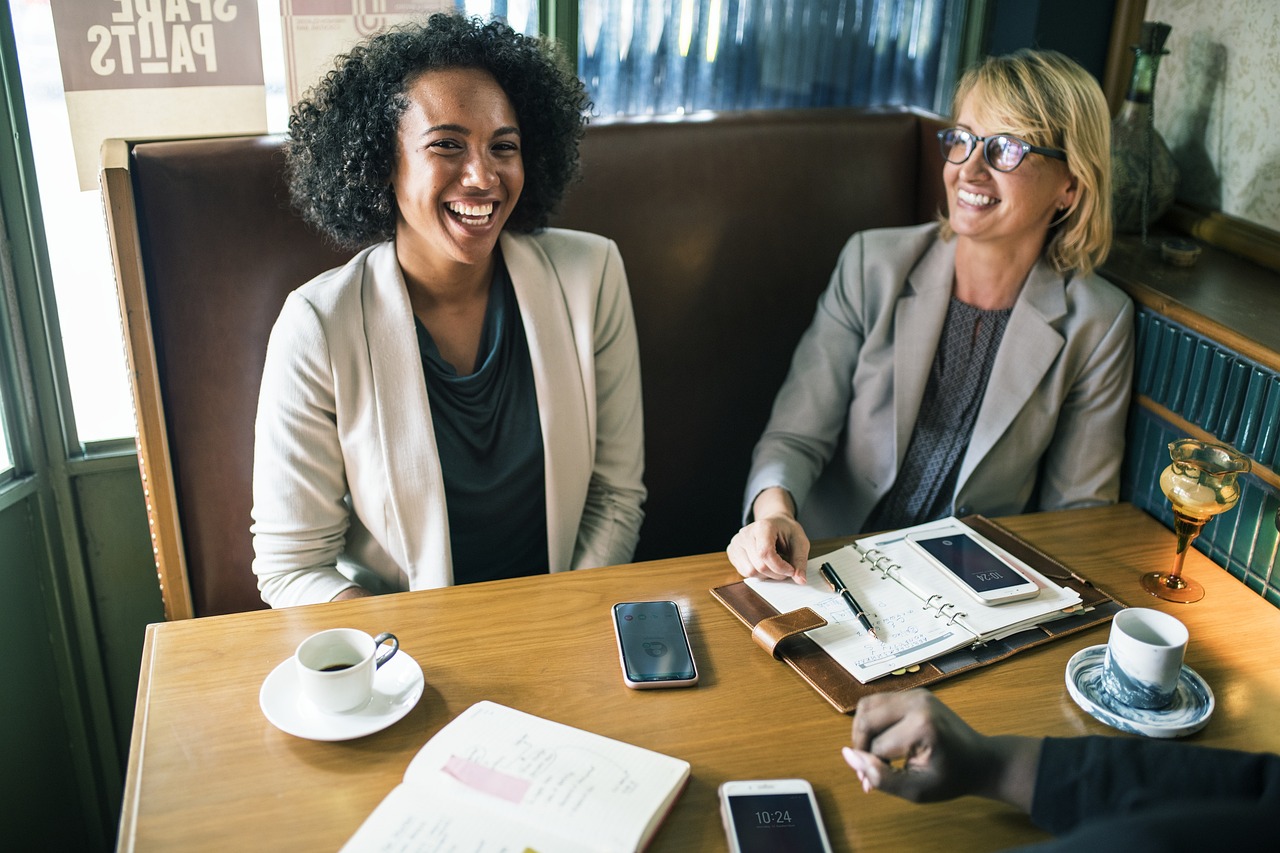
x=775, y=823
x=971, y=563
x=654, y=645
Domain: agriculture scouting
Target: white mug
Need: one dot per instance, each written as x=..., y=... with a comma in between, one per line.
x=336, y=667
x=1144, y=658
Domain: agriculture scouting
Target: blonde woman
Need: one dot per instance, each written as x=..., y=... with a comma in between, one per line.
x=975, y=364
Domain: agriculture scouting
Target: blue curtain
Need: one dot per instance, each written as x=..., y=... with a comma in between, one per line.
x=662, y=57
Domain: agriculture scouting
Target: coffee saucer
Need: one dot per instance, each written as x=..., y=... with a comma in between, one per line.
x=1190, y=709
x=397, y=687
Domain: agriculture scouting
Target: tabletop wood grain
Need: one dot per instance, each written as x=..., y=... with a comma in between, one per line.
x=207, y=771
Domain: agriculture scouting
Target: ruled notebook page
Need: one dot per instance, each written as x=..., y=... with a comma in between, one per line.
x=917, y=611
x=498, y=779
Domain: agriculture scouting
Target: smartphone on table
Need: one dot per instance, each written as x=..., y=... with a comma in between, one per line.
x=653, y=645
x=981, y=572
x=772, y=816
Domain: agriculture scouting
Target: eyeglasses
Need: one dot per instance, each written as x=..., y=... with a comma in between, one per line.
x=1002, y=153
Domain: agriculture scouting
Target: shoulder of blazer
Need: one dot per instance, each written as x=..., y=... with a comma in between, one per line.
x=897, y=261
x=564, y=248
x=332, y=287
x=897, y=245
x=576, y=261
x=1095, y=292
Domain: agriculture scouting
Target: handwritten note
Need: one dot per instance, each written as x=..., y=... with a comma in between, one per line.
x=917, y=610
x=497, y=779
x=907, y=629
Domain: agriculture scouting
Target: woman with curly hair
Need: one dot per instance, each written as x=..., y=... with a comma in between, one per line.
x=461, y=401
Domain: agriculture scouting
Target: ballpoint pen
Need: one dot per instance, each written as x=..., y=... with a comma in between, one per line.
x=837, y=585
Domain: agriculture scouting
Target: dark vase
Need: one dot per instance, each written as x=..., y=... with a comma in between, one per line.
x=1144, y=177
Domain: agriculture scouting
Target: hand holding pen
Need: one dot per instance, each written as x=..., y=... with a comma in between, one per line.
x=837, y=586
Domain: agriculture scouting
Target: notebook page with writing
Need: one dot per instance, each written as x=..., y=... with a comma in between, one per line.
x=986, y=620
x=495, y=777
x=420, y=820
x=917, y=611
x=908, y=632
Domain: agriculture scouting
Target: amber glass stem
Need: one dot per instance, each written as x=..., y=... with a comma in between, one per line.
x=1187, y=530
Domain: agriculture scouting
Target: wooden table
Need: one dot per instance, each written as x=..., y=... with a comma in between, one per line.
x=208, y=772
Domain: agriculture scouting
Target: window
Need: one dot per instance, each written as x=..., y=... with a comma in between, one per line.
x=6, y=456
x=79, y=256
x=641, y=57
x=75, y=232
x=637, y=57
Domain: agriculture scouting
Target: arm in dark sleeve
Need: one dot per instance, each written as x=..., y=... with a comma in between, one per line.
x=1085, y=779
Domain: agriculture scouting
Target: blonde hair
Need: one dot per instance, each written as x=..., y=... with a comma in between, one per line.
x=1047, y=99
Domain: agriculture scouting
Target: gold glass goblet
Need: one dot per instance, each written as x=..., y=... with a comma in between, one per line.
x=1200, y=482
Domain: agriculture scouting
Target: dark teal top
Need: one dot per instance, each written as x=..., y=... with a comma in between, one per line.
x=490, y=445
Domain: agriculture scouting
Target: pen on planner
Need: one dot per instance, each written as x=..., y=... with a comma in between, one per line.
x=837, y=585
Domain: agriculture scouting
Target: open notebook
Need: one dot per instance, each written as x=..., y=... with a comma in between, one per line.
x=928, y=627
x=919, y=612
x=498, y=779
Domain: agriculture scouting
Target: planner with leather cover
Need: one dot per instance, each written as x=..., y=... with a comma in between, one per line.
x=783, y=636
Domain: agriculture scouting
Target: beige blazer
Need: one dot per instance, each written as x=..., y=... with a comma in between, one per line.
x=1049, y=432
x=347, y=485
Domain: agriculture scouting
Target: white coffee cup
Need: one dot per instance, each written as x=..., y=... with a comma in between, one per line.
x=1144, y=658
x=336, y=667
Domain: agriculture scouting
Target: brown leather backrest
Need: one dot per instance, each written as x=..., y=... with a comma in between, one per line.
x=220, y=250
x=729, y=227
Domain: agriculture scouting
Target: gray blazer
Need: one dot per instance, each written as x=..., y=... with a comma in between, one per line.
x=1050, y=430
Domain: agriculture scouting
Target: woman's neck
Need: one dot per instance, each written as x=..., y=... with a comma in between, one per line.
x=990, y=277
x=450, y=301
x=441, y=284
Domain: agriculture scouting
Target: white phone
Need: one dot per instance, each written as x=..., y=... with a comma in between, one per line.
x=653, y=645
x=772, y=816
x=981, y=572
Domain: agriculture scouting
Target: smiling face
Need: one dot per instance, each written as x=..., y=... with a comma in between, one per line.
x=458, y=172
x=1010, y=208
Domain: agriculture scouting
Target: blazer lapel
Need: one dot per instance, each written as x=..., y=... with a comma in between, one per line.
x=1031, y=343
x=918, y=317
x=417, y=510
x=563, y=410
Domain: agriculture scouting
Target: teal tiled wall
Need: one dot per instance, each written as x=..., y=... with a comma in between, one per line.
x=1233, y=399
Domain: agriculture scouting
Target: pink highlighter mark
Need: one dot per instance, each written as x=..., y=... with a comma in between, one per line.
x=481, y=778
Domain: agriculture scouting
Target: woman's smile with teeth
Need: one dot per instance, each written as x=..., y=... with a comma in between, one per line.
x=471, y=214
x=975, y=199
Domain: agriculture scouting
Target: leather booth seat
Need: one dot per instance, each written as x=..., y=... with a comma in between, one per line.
x=729, y=226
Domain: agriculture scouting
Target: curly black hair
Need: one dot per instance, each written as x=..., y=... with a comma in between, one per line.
x=342, y=136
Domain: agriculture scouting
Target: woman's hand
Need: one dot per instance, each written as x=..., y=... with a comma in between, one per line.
x=942, y=757
x=774, y=545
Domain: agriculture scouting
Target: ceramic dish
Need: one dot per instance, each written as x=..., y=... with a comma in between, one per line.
x=1190, y=709
x=396, y=689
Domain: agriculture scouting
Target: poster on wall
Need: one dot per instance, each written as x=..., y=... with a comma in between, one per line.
x=315, y=31
x=154, y=68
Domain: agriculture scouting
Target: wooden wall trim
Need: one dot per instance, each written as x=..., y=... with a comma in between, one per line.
x=1190, y=430
x=1229, y=233
x=153, y=442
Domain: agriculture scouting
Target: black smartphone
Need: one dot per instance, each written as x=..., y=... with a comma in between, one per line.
x=653, y=645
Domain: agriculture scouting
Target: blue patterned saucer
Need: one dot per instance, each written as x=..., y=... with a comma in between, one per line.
x=1190, y=709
